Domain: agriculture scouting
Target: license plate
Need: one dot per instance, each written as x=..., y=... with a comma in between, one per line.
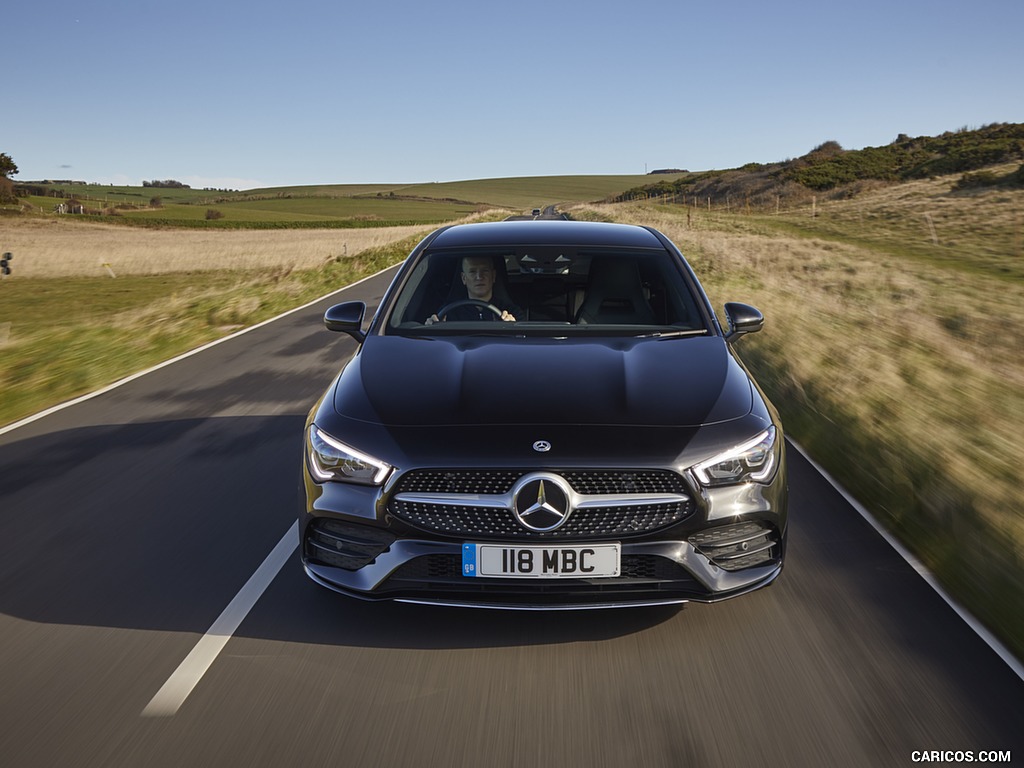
x=590, y=561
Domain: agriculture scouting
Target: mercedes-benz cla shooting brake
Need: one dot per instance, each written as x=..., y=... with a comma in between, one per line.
x=544, y=414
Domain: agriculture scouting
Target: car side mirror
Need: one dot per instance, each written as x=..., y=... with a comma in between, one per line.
x=347, y=318
x=743, y=319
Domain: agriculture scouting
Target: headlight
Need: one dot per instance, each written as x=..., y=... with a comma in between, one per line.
x=754, y=461
x=331, y=459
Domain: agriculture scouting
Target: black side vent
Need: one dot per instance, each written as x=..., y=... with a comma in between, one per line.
x=345, y=545
x=735, y=547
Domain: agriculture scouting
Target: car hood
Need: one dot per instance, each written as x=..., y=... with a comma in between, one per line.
x=447, y=382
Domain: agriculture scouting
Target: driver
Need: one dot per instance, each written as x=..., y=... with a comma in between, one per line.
x=478, y=276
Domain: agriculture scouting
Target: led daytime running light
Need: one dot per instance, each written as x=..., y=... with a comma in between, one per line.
x=752, y=461
x=331, y=459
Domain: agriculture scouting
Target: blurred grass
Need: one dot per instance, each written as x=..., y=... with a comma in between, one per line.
x=897, y=366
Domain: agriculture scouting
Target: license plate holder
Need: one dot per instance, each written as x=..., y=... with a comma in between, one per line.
x=512, y=561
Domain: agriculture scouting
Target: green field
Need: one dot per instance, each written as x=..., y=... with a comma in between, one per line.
x=327, y=205
x=530, y=192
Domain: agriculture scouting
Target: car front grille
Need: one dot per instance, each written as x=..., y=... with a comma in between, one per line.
x=615, y=507
x=483, y=522
x=735, y=547
x=463, y=481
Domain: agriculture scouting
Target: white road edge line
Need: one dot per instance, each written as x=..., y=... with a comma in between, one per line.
x=196, y=351
x=968, y=618
x=179, y=685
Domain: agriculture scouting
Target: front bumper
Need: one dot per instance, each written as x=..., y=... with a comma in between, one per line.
x=701, y=545
x=653, y=573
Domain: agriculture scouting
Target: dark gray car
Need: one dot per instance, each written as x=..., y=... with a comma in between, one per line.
x=583, y=436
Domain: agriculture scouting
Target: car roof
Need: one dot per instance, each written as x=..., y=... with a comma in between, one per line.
x=554, y=232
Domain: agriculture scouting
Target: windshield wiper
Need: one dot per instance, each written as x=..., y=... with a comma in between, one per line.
x=673, y=334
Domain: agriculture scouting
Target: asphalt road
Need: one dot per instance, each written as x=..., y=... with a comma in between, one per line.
x=130, y=521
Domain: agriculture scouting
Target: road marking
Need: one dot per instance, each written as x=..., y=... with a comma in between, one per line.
x=188, y=674
x=968, y=618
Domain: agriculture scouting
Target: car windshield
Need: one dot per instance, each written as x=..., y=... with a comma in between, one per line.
x=553, y=291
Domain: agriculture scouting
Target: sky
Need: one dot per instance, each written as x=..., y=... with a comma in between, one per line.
x=295, y=92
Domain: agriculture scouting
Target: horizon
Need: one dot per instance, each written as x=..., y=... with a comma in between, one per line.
x=666, y=171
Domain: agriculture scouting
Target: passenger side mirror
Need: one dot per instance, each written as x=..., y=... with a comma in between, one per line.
x=743, y=319
x=347, y=318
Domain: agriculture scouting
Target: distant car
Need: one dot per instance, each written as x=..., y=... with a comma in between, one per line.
x=602, y=446
x=536, y=212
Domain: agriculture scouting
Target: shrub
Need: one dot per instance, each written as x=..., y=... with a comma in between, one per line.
x=213, y=213
x=983, y=179
x=7, y=191
x=976, y=180
x=166, y=184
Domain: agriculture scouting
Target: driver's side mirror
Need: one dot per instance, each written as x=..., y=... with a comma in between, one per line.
x=347, y=318
x=743, y=319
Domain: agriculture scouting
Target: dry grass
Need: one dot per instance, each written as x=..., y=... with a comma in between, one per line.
x=66, y=249
x=904, y=377
x=977, y=230
x=927, y=353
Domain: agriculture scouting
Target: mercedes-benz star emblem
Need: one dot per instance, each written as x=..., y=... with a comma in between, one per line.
x=542, y=446
x=541, y=502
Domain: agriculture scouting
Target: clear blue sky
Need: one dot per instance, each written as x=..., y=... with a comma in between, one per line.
x=262, y=93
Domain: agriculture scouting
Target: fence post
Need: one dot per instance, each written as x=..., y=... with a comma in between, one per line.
x=931, y=227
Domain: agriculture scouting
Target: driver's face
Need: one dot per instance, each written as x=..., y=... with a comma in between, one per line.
x=478, y=277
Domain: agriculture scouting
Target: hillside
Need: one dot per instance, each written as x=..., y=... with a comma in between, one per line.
x=831, y=172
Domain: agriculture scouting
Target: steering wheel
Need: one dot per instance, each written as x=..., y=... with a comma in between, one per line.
x=442, y=313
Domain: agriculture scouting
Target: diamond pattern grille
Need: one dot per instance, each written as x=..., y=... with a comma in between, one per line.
x=589, y=523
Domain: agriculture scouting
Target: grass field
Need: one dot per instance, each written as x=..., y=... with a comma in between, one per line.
x=329, y=205
x=892, y=343
x=980, y=232
x=530, y=192
x=58, y=248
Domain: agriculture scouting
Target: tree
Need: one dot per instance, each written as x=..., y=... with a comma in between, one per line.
x=7, y=166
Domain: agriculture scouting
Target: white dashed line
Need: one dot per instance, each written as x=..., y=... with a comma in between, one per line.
x=188, y=674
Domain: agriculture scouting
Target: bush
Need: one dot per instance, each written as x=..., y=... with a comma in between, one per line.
x=976, y=180
x=983, y=179
x=213, y=213
x=166, y=184
x=7, y=191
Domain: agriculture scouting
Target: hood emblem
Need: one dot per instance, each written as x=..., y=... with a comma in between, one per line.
x=542, y=446
x=541, y=502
